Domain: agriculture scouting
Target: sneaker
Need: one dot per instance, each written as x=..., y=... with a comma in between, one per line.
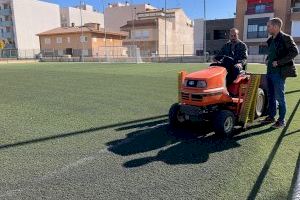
x=279, y=124
x=268, y=120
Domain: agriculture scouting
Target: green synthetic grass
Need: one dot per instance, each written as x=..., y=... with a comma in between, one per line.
x=53, y=114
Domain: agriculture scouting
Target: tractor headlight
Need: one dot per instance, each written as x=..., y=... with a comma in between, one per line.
x=195, y=83
x=201, y=84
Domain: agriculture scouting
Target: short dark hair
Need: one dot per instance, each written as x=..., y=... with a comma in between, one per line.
x=235, y=30
x=276, y=21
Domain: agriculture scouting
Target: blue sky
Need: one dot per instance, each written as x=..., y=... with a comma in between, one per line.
x=215, y=9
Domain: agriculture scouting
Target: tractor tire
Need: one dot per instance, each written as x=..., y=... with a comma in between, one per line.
x=224, y=123
x=176, y=119
x=261, y=103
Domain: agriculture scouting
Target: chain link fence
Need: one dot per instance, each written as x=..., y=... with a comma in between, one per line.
x=142, y=52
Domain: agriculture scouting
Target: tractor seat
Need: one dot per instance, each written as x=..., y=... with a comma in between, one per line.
x=234, y=88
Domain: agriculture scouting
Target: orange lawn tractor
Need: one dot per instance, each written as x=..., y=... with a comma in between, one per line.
x=203, y=96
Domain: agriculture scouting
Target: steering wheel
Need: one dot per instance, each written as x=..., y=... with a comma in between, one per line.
x=225, y=61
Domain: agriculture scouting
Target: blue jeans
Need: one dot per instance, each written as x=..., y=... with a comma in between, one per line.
x=276, y=86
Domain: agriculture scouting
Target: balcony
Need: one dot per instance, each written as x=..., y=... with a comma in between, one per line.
x=5, y=12
x=253, y=10
x=6, y=23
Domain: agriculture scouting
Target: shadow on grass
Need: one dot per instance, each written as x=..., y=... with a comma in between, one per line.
x=90, y=130
x=266, y=167
x=291, y=92
x=189, y=145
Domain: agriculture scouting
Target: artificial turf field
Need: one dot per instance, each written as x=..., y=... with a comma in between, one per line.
x=99, y=131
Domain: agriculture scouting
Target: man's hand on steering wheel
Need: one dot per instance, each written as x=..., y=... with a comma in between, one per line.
x=239, y=65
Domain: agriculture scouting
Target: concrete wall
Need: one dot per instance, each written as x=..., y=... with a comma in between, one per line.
x=30, y=18
x=241, y=8
x=115, y=17
x=198, y=34
x=180, y=35
x=72, y=15
x=184, y=31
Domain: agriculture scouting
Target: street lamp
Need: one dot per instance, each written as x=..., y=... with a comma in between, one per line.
x=104, y=28
x=81, y=40
x=204, y=30
x=165, y=28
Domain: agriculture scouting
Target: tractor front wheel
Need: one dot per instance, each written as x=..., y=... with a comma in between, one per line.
x=176, y=118
x=224, y=123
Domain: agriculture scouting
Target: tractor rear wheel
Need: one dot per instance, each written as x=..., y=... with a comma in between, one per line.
x=261, y=103
x=224, y=123
x=176, y=118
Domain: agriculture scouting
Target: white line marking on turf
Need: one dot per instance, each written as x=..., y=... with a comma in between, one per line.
x=80, y=162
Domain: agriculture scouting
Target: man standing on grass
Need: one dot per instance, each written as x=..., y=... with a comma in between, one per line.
x=280, y=65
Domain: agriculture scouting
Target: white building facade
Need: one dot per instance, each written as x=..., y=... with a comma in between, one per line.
x=71, y=16
x=21, y=20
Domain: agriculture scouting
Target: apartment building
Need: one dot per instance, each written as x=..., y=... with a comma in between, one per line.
x=117, y=14
x=72, y=15
x=89, y=41
x=21, y=20
x=252, y=17
x=164, y=33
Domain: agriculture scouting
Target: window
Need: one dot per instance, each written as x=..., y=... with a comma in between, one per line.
x=68, y=39
x=296, y=28
x=8, y=29
x=260, y=8
x=257, y=28
x=220, y=34
x=58, y=40
x=140, y=34
x=83, y=38
x=47, y=41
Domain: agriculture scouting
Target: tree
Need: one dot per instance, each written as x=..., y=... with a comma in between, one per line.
x=2, y=44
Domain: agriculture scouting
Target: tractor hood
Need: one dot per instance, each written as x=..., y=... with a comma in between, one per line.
x=208, y=73
x=210, y=78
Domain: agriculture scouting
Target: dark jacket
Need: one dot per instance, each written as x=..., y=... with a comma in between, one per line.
x=238, y=53
x=286, y=51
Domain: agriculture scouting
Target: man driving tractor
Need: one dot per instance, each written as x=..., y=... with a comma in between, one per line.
x=237, y=50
